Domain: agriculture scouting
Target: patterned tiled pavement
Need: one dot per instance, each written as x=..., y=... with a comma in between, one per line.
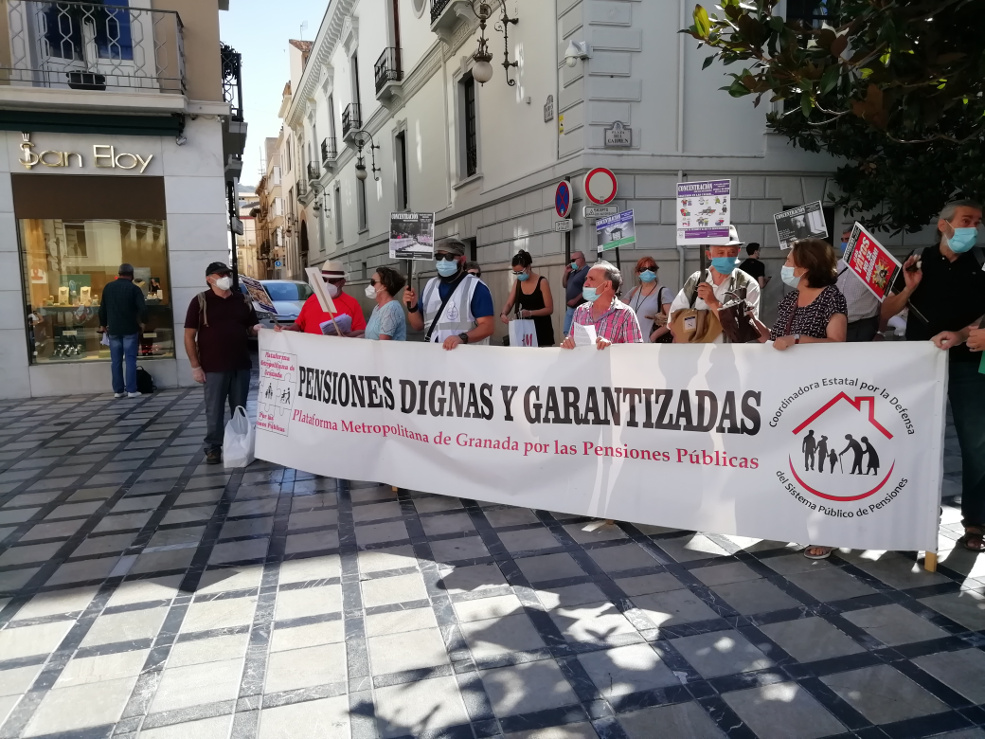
x=144, y=593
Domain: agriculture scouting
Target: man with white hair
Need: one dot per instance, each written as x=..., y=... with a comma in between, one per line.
x=613, y=320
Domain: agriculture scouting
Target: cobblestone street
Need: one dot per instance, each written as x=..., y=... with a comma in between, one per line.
x=145, y=593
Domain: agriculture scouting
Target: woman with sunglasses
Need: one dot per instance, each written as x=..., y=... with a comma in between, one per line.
x=387, y=321
x=531, y=299
x=651, y=302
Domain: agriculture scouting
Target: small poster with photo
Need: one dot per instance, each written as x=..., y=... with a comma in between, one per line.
x=412, y=236
x=258, y=293
x=871, y=262
x=802, y=222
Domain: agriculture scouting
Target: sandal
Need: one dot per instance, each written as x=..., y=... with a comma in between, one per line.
x=819, y=552
x=973, y=539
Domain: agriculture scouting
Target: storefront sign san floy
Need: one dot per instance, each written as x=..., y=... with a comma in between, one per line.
x=104, y=156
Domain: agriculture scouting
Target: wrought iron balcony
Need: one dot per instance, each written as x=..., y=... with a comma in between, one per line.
x=328, y=151
x=437, y=8
x=387, y=69
x=352, y=119
x=232, y=80
x=92, y=46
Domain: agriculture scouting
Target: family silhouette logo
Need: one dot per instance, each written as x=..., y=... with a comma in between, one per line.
x=838, y=455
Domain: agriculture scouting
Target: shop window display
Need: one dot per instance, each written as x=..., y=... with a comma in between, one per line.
x=67, y=264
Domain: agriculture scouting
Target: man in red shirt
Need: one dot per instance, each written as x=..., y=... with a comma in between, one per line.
x=311, y=317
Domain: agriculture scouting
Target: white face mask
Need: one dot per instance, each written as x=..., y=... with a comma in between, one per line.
x=371, y=291
x=333, y=290
x=224, y=283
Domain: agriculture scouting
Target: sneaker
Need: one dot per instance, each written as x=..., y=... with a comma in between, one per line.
x=119, y=395
x=133, y=395
x=213, y=456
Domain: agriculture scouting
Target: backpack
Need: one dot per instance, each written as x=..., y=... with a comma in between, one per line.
x=145, y=383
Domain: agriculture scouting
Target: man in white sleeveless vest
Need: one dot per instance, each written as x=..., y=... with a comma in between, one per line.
x=455, y=307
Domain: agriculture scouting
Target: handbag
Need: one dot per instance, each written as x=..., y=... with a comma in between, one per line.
x=693, y=326
x=734, y=316
x=667, y=338
x=523, y=331
x=239, y=441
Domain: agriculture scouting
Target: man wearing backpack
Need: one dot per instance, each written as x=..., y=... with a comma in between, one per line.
x=217, y=330
x=122, y=311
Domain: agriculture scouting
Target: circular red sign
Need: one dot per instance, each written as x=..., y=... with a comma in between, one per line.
x=600, y=186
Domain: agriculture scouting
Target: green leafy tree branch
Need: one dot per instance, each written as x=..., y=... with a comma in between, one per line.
x=895, y=88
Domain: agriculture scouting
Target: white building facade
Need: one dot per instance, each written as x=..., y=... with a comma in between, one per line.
x=487, y=158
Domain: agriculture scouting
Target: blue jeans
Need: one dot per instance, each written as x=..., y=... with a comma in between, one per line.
x=569, y=314
x=124, y=348
x=966, y=391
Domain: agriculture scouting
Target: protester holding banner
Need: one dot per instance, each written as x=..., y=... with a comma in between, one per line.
x=694, y=313
x=614, y=321
x=457, y=307
x=815, y=312
x=531, y=298
x=944, y=287
x=313, y=320
x=863, y=306
x=387, y=321
x=650, y=302
x=572, y=282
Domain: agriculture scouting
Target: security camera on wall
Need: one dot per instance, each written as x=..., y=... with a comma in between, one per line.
x=576, y=51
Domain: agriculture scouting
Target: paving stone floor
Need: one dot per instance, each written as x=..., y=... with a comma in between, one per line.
x=144, y=593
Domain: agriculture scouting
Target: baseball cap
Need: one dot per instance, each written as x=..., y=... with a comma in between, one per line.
x=451, y=246
x=216, y=268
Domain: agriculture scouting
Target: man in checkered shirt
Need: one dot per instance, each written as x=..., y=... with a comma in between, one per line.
x=863, y=306
x=614, y=321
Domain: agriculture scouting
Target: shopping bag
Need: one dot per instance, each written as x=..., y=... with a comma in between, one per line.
x=522, y=332
x=239, y=441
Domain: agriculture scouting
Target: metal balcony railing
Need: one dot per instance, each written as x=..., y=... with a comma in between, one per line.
x=387, y=68
x=92, y=46
x=232, y=80
x=352, y=119
x=328, y=150
x=437, y=6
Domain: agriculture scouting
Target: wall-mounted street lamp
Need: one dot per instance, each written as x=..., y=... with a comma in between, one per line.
x=482, y=70
x=361, y=172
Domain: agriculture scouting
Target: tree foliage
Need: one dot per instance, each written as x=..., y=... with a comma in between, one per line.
x=896, y=88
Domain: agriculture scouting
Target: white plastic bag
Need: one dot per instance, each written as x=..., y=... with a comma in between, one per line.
x=239, y=441
x=523, y=332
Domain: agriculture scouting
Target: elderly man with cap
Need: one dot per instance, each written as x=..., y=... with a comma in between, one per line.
x=218, y=325
x=455, y=307
x=710, y=290
x=311, y=317
x=121, y=312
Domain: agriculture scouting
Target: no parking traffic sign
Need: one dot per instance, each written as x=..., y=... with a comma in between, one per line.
x=563, y=199
x=600, y=185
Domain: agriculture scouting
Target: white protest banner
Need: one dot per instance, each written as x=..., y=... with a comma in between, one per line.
x=412, y=236
x=802, y=222
x=703, y=212
x=833, y=444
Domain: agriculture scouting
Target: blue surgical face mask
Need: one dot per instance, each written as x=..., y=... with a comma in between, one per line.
x=574, y=265
x=843, y=246
x=446, y=268
x=963, y=240
x=523, y=276
x=788, y=277
x=723, y=265
x=648, y=276
x=590, y=294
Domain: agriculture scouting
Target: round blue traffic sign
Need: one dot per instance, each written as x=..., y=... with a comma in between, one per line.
x=563, y=199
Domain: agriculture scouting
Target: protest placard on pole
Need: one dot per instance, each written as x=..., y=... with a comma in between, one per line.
x=703, y=212
x=803, y=222
x=872, y=263
x=321, y=293
x=258, y=293
x=412, y=236
x=615, y=231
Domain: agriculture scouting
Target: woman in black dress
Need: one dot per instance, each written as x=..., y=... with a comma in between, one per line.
x=531, y=299
x=814, y=313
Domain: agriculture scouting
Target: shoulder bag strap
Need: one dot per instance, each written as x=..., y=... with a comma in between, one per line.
x=441, y=308
x=516, y=300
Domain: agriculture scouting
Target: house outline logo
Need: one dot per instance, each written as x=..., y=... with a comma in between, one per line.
x=864, y=405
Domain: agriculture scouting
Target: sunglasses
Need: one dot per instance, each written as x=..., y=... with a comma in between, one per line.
x=648, y=269
x=333, y=280
x=447, y=257
x=375, y=282
x=517, y=274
